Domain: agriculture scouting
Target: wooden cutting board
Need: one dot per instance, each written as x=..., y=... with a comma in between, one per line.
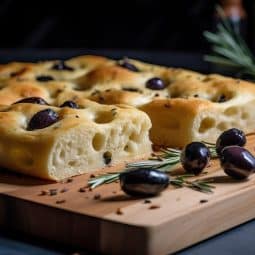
x=118, y=224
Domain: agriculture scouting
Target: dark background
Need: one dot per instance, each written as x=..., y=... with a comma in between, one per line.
x=174, y=25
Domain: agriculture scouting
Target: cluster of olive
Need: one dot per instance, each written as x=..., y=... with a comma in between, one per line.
x=46, y=117
x=235, y=160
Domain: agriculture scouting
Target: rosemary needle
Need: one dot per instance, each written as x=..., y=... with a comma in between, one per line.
x=229, y=48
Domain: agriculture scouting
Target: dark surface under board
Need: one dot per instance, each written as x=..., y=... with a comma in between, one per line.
x=239, y=240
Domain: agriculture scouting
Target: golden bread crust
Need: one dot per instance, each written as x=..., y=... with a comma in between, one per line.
x=201, y=106
x=76, y=143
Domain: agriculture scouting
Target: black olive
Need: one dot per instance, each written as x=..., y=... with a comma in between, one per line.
x=61, y=65
x=155, y=84
x=229, y=137
x=107, y=157
x=143, y=182
x=222, y=99
x=70, y=104
x=125, y=64
x=237, y=162
x=195, y=157
x=44, y=78
x=42, y=119
x=32, y=100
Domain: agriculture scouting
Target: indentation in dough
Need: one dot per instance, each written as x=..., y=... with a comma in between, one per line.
x=62, y=154
x=222, y=96
x=104, y=117
x=80, y=151
x=222, y=126
x=206, y=124
x=129, y=147
x=231, y=111
x=245, y=115
x=134, y=137
x=98, y=141
x=73, y=163
x=126, y=129
x=206, y=79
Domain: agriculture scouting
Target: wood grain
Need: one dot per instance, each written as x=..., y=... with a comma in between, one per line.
x=178, y=219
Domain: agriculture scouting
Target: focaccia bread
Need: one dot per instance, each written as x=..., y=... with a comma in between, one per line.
x=77, y=141
x=183, y=105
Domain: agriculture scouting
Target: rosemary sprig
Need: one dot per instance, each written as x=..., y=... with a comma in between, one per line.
x=212, y=149
x=229, y=48
x=164, y=162
x=199, y=185
x=180, y=181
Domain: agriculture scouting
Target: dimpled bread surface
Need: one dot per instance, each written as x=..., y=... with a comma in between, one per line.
x=82, y=140
x=191, y=107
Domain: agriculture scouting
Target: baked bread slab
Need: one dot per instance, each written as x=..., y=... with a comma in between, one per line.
x=81, y=141
x=192, y=106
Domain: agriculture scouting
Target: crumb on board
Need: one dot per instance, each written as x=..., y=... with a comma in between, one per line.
x=97, y=196
x=147, y=201
x=53, y=192
x=152, y=207
x=61, y=201
x=68, y=180
x=63, y=190
x=82, y=189
x=44, y=192
x=119, y=211
x=202, y=201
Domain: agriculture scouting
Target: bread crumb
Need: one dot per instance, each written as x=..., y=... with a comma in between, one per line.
x=60, y=201
x=202, y=201
x=53, y=192
x=67, y=180
x=152, y=207
x=82, y=189
x=119, y=211
x=44, y=192
x=64, y=190
x=97, y=196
